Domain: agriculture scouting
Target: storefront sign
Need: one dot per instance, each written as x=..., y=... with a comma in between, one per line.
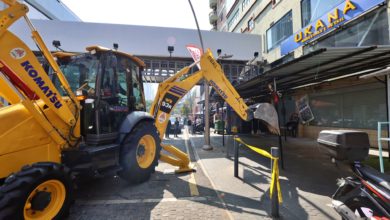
x=344, y=12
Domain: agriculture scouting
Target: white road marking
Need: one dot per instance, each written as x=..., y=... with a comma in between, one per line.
x=191, y=181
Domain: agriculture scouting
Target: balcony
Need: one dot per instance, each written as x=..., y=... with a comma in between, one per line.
x=213, y=17
x=213, y=3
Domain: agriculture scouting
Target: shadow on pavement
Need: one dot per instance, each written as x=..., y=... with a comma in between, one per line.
x=307, y=182
x=112, y=198
x=115, y=199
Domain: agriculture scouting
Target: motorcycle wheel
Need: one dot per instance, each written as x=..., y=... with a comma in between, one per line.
x=363, y=207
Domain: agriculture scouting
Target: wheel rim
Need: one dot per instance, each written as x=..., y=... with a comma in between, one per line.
x=45, y=201
x=146, y=151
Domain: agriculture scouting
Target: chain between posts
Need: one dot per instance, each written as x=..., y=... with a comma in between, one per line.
x=275, y=190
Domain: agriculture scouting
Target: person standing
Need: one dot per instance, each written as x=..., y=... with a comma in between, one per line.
x=177, y=124
x=292, y=124
x=168, y=129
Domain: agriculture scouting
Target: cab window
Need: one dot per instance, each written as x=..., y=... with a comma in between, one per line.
x=80, y=72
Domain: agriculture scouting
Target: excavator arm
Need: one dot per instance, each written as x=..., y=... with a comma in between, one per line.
x=23, y=79
x=176, y=87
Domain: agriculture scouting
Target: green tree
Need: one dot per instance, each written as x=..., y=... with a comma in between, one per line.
x=185, y=109
x=148, y=105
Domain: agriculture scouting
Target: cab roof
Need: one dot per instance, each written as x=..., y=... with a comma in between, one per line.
x=104, y=49
x=62, y=54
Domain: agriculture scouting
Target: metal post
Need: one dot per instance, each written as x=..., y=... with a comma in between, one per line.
x=227, y=149
x=388, y=113
x=275, y=198
x=280, y=137
x=253, y=127
x=379, y=131
x=281, y=151
x=206, y=145
x=228, y=119
x=284, y=118
x=223, y=128
x=236, y=154
x=387, y=84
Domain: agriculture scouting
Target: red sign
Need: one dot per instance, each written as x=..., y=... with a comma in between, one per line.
x=195, y=52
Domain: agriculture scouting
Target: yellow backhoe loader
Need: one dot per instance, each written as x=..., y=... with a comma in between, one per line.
x=83, y=117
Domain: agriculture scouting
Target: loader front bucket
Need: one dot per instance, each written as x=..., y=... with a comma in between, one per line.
x=268, y=115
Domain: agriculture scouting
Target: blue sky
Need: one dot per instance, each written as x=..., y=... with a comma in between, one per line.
x=163, y=13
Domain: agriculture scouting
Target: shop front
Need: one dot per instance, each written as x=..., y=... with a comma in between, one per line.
x=325, y=85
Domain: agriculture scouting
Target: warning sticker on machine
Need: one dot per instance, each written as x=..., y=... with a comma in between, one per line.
x=162, y=117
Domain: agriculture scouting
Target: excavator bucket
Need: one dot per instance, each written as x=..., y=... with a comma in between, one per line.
x=268, y=115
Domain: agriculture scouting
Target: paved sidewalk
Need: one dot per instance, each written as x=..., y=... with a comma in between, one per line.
x=163, y=197
x=307, y=182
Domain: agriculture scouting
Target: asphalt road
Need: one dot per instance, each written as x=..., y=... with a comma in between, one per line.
x=164, y=196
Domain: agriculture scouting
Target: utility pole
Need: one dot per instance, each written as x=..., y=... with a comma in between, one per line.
x=206, y=145
x=388, y=85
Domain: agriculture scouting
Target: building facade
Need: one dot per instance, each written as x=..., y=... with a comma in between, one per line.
x=293, y=30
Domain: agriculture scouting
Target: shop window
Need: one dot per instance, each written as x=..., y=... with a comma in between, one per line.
x=365, y=31
x=353, y=107
x=279, y=31
x=244, y=4
x=313, y=9
x=233, y=20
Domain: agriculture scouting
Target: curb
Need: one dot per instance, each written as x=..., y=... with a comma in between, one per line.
x=199, y=161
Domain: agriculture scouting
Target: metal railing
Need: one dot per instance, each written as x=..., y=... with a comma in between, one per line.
x=380, y=139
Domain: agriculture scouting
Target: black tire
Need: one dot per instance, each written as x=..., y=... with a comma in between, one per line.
x=131, y=169
x=17, y=188
x=356, y=203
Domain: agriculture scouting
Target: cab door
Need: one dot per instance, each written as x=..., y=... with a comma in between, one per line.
x=119, y=93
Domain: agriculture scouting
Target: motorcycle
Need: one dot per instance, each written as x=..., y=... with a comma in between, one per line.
x=364, y=196
x=198, y=128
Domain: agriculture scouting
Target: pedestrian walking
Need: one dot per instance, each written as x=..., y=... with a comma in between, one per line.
x=168, y=129
x=177, y=126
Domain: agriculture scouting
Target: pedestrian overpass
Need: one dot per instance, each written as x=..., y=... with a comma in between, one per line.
x=148, y=43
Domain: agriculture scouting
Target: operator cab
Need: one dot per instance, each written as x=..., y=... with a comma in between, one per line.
x=111, y=85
